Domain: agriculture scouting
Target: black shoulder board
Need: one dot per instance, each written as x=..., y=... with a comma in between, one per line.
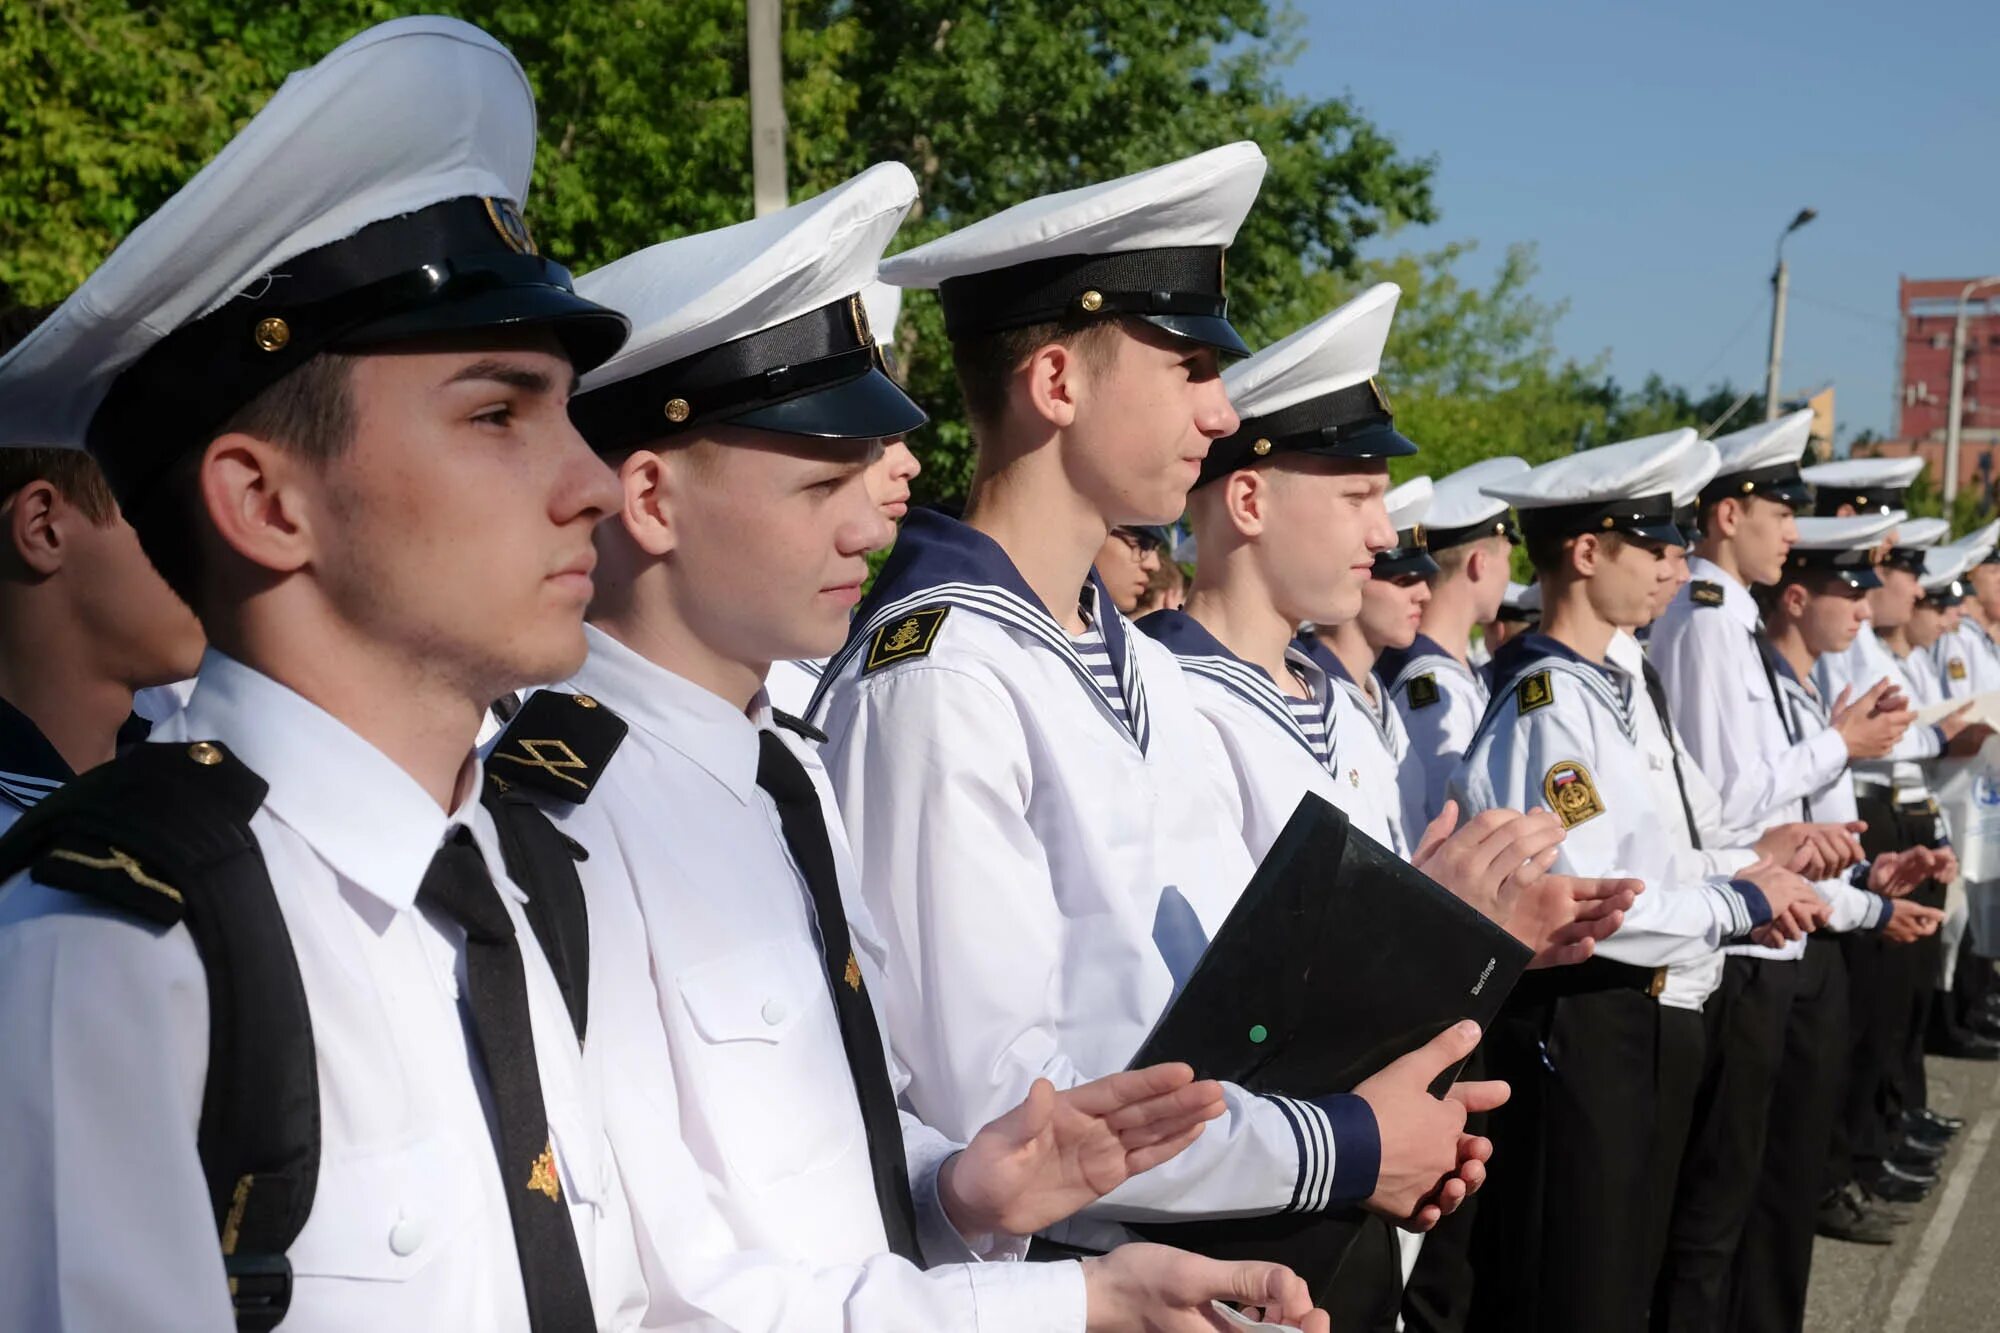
x=1423, y=690
x=1703, y=593
x=904, y=638
x=557, y=745
x=1536, y=691
x=798, y=725
x=130, y=833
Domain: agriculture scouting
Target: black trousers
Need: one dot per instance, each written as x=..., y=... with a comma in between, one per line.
x=1745, y=1023
x=1863, y=1133
x=1972, y=982
x=1438, y=1296
x=1566, y=1220
x=1367, y=1288
x=1774, y=1262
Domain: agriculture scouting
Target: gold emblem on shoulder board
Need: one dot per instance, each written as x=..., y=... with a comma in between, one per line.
x=906, y=637
x=552, y=757
x=1537, y=691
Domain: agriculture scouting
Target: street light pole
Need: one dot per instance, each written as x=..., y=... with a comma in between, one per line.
x=764, y=21
x=1781, y=281
x=1951, y=422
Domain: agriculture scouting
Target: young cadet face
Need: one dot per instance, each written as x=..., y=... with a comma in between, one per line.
x=1324, y=521
x=766, y=539
x=456, y=527
x=1986, y=588
x=1890, y=605
x=1927, y=623
x=889, y=479
x=1676, y=558
x=1830, y=618
x=1392, y=608
x=1763, y=536
x=1146, y=410
x=1126, y=562
x=1627, y=579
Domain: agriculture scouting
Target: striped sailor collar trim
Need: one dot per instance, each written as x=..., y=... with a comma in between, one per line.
x=30, y=766
x=1201, y=653
x=1395, y=662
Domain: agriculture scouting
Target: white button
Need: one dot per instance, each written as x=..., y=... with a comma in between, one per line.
x=774, y=1012
x=406, y=1237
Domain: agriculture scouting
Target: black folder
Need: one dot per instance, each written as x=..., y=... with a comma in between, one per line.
x=1338, y=958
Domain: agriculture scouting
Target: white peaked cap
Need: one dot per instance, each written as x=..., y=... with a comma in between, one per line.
x=408, y=114
x=1197, y=201
x=1922, y=532
x=1336, y=351
x=1460, y=500
x=1703, y=462
x=1863, y=472
x=1766, y=444
x=1649, y=465
x=697, y=292
x=1409, y=503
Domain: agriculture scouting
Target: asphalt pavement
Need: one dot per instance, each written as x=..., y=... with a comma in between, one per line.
x=1943, y=1273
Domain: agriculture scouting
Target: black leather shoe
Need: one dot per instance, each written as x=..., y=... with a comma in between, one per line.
x=1965, y=1047
x=1894, y=1188
x=1895, y=1214
x=1985, y=1024
x=1918, y=1152
x=1916, y=1175
x=1914, y=1126
x=1950, y=1124
x=1842, y=1217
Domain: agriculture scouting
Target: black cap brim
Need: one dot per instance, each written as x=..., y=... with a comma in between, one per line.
x=1397, y=566
x=1666, y=533
x=1378, y=439
x=590, y=333
x=1860, y=578
x=1797, y=494
x=1208, y=330
x=871, y=407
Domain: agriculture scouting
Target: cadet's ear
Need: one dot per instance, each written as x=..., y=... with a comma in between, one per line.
x=649, y=487
x=34, y=535
x=257, y=495
x=1584, y=552
x=1246, y=496
x=1049, y=381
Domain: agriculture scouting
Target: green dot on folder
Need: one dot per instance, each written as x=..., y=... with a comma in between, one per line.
x=1257, y=1034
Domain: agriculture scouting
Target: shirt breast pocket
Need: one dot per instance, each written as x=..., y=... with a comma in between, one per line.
x=385, y=1216
x=770, y=1084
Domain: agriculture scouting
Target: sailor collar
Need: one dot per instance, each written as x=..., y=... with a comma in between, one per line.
x=1201, y=653
x=940, y=563
x=30, y=766
x=1395, y=663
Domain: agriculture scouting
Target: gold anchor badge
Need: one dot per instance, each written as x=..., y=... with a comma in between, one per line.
x=901, y=640
x=904, y=636
x=542, y=1177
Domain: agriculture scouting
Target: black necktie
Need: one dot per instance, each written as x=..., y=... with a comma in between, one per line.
x=457, y=886
x=780, y=773
x=1658, y=693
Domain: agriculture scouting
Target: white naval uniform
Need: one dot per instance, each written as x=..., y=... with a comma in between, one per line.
x=1043, y=872
x=1373, y=744
x=1439, y=701
x=1866, y=661
x=104, y=1037
x=1721, y=695
x=1710, y=848
x=790, y=685
x=1854, y=907
x=1586, y=734
x=734, y=1114
x=1272, y=759
x=1974, y=650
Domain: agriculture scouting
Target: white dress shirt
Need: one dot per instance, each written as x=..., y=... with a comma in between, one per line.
x=790, y=685
x=1581, y=738
x=1724, y=705
x=1439, y=701
x=104, y=1036
x=1866, y=661
x=734, y=1115
x=1043, y=872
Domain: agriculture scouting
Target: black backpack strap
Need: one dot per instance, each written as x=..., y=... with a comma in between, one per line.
x=556, y=748
x=162, y=833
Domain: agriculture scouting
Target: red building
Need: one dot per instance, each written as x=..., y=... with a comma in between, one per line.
x=1929, y=309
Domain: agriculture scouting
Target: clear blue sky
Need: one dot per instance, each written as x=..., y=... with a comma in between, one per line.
x=1653, y=152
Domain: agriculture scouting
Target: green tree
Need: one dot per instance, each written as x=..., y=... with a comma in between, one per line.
x=105, y=109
